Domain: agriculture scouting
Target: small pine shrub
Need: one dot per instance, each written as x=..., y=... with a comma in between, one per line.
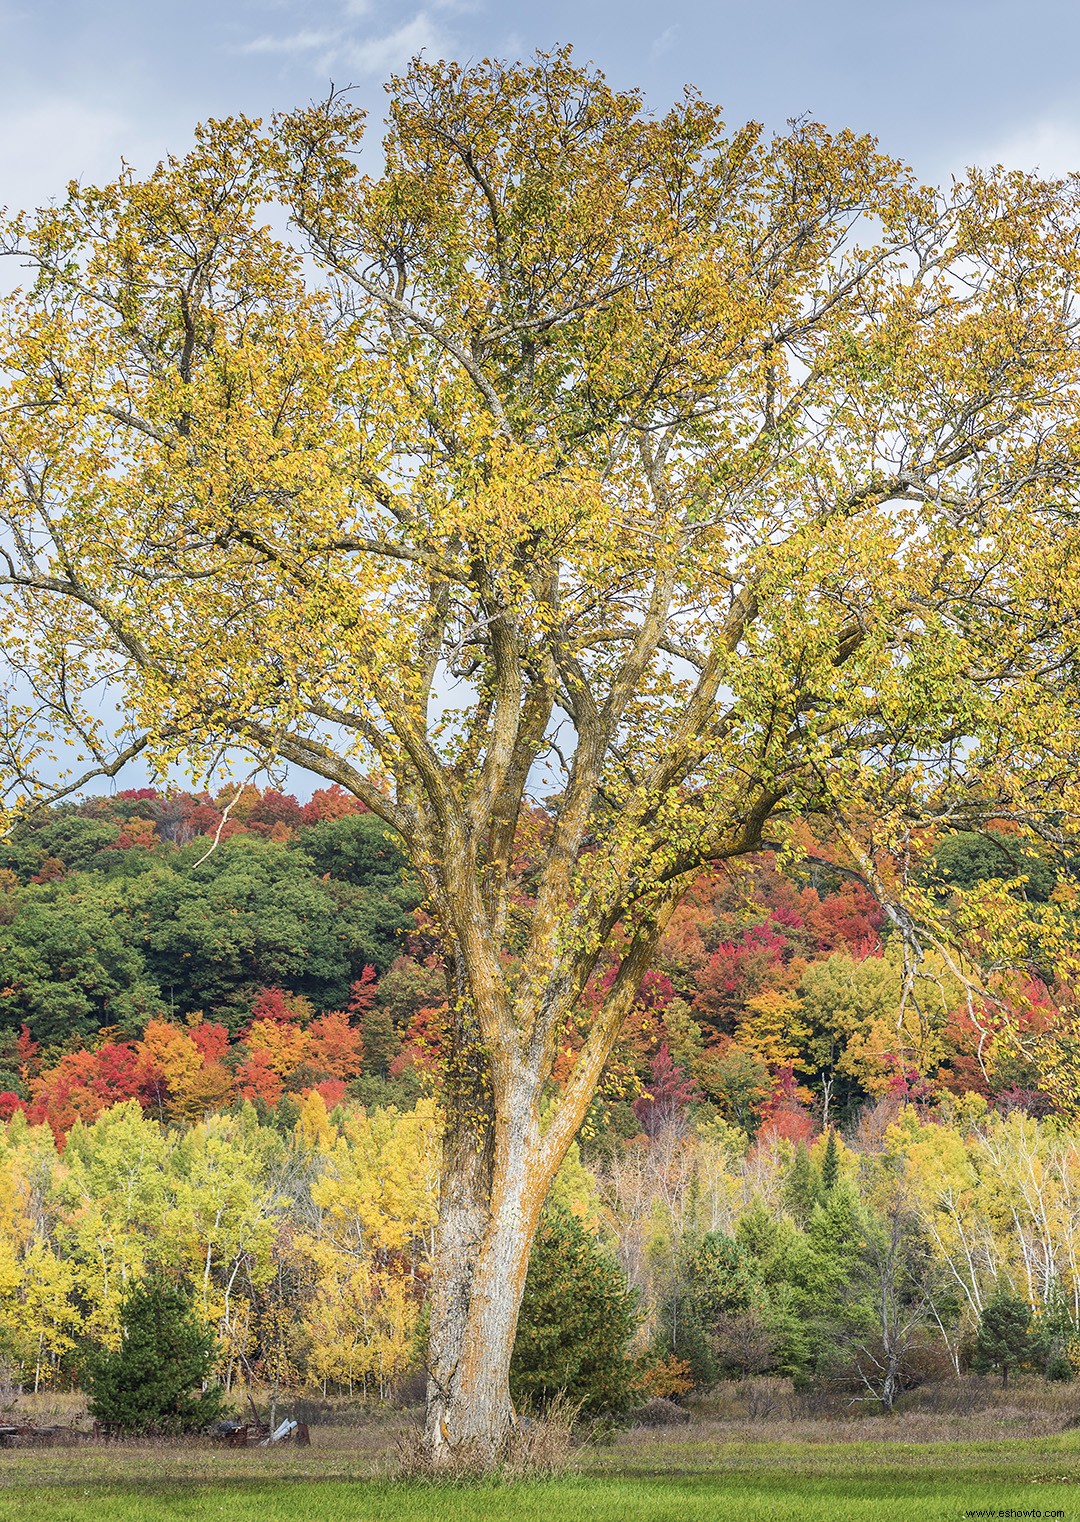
x=578, y=1317
x=153, y=1381
x=1004, y=1338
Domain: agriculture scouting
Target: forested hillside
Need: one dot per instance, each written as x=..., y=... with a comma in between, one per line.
x=219, y=1041
x=188, y=955
x=308, y=1247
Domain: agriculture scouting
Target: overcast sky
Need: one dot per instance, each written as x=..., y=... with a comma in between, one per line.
x=941, y=82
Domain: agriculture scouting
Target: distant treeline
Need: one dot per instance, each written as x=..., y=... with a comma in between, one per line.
x=870, y=1263
x=191, y=953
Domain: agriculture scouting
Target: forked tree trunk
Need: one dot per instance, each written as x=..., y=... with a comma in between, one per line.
x=496, y=1172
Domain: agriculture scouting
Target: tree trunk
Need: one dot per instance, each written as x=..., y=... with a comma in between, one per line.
x=489, y=1209
x=496, y=1172
x=891, y=1385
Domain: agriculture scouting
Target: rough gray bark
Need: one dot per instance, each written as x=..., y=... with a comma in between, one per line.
x=491, y=1196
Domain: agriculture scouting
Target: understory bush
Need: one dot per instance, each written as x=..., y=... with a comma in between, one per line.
x=578, y=1317
x=154, y=1381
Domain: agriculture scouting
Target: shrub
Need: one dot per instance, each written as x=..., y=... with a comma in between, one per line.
x=1004, y=1339
x=148, y=1383
x=664, y=1378
x=712, y=1322
x=577, y=1319
x=660, y=1412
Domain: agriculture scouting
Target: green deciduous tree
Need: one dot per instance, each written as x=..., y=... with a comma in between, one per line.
x=70, y=961
x=252, y=914
x=966, y=858
x=62, y=835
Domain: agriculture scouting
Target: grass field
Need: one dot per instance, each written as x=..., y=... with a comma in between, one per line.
x=919, y=1465
x=789, y=1485
x=701, y=1498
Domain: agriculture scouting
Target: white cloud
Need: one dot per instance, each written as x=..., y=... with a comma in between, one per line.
x=381, y=55
x=665, y=42
x=376, y=54
x=1052, y=147
x=299, y=42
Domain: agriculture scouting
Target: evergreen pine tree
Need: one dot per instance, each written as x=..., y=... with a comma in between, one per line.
x=148, y=1383
x=1003, y=1340
x=802, y=1188
x=830, y=1163
x=578, y=1316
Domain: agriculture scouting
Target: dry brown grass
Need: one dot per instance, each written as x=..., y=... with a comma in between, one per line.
x=543, y=1445
x=969, y=1409
x=51, y=1408
x=752, y=1423
x=354, y=1446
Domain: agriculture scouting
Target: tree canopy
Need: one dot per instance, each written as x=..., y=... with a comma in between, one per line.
x=724, y=482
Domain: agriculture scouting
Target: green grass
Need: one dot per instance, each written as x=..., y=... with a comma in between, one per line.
x=701, y=1498
x=654, y=1481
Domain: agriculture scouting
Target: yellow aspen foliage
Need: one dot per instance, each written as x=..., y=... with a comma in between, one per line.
x=46, y=1319
x=770, y=1028
x=360, y=1324
x=377, y=1188
x=371, y=1258
x=313, y=1125
x=111, y=1195
x=38, y=1319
